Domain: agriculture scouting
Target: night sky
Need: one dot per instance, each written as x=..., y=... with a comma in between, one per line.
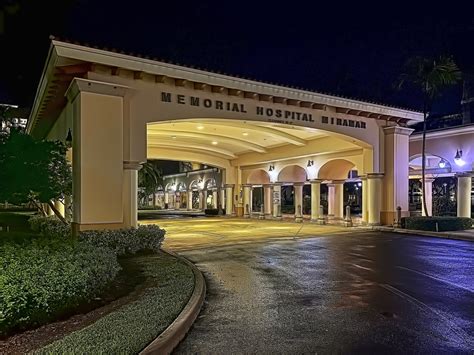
x=351, y=50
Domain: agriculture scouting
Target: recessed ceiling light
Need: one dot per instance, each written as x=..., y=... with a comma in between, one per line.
x=245, y=134
x=214, y=142
x=174, y=137
x=200, y=127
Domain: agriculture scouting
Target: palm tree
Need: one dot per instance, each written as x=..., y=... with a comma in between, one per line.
x=150, y=178
x=430, y=76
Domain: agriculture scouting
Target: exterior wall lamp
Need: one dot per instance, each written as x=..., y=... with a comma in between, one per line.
x=310, y=163
x=271, y=168
x=442, y=164
x=69, y=139
x=458, y=158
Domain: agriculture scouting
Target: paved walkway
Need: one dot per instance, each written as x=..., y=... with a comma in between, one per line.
x=196, y=233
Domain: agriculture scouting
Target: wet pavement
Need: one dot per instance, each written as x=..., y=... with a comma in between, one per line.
x=356, y=292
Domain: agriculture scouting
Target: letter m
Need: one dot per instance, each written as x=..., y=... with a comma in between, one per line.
x=165, y=97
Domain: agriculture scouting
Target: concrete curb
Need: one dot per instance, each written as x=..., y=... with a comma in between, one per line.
x=176, y=331
x=442, y=235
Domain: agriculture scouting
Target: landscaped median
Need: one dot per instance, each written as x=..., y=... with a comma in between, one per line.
x=104, y=292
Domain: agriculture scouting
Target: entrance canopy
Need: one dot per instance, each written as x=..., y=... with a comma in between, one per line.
x=124, y=109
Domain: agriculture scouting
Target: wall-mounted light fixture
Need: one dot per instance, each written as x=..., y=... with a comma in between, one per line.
x=458, y=158
x=310, y=163
x=442, y=164
x=271, y=168
x=69, y=138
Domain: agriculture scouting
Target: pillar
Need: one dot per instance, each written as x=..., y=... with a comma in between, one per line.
x=101, y=179
x=130, y=192
x=214, y=198
x=331, y=200
x=396, y=179
x=202, y=202
x=429, y=196
x=222, y=198
x=229, y=199
x=464, y=194
x=338, y=199
x=59, y=206
x=177, y=200
x=167, y=199
x=364, y=199
x=277, y=201
x=298, y=200
x=246, y=200
x=267, y=201
x=67, y=207
x=315, y=199
x=374, y=183
x=189, y=204
x=49, y=210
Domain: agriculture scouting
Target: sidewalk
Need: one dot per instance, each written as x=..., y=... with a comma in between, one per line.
x=467, y=235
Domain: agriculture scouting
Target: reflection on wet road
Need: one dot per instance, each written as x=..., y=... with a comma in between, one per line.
x=358, y=292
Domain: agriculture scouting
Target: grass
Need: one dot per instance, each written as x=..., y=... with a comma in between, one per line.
x=132, y=327
x=19, y=227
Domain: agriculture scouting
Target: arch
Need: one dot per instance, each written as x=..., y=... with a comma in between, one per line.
x=258, y=176
x=168, y=186
x=194, y=185
x=181, y=187
x=210, y=184
x=432, y=162
x=292, y=173
x=336, y=169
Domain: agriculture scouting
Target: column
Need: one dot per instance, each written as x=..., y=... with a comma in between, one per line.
x=395, y=181
x=331, y=200
x=247, y=202
x=338, y=199
x=67, y=207
x=429, y=196
x=374, y=182
x=101, y=181
x=298, y=200
x=49, y=210
x=190, y=200
x=229, y=199
x=59, y=206
x=277, y=201
x=167, y=199
x=364, y=199
x=202, y=202
x=214, y=198
x=222, y=198
x=315, y=199
x=130, y=192
x=464, y=194
x=177, y=200
x=267, y=201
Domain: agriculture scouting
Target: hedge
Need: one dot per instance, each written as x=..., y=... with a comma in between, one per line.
x=45, y=278
x=51, y=274
x=440, y=224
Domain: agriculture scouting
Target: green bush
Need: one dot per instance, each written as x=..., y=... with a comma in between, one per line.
x=443, y=224
x=45, y=278
x=125, y=241
x=211, y=211
x=50, y=226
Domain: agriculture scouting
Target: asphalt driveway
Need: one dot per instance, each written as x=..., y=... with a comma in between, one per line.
x=332, y=293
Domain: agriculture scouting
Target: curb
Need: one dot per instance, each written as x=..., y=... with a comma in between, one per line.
x=176, y=331
x=441, y=235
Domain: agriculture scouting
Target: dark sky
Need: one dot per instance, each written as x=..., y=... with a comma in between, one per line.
x=347, y=49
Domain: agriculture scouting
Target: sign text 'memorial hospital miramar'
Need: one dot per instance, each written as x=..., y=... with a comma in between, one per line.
x=274, y=115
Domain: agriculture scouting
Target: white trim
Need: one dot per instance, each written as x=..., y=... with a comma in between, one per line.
x=449, y=132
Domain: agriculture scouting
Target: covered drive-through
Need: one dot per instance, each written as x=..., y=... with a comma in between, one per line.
x=123, y=110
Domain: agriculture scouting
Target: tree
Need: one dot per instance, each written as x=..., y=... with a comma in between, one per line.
x=150, y=178
x=430, y=76
x=33, y=171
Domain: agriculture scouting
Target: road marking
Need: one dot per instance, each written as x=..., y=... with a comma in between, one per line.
x=458, y=331
x=437, y=279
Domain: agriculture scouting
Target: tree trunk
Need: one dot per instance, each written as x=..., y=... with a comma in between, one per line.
x=39, y=207
x=56, y=212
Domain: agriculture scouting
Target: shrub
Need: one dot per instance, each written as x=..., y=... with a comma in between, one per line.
x=211, y=211
x=444, y=223
x=125, y=241
x=46, y=278
x=50, y=226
